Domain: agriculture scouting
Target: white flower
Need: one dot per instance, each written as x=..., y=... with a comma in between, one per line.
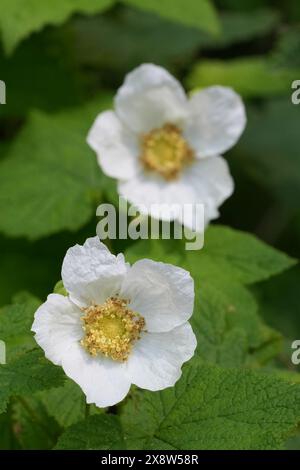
x=119, y=324
x=165, y=148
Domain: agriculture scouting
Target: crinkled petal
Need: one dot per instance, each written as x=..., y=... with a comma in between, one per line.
x=150, y=97
x=212, y=184
x=116, y=146
x=103, y=380
x=216, y=120
x=57, y=326
x=91, y=274
x=156, y=360
x=206, y=181
x=162, y=293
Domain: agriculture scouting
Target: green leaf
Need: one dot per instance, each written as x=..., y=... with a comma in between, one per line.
x=213, y=408
x=229, y=331
x=200, y=14
x=15, y=324
x=237, y=26
x=123, y=41
x=49, y=82
x=277, y=296
x=19, y=18
x=16, y=257
x=66, y=404
x=99, y=432
x=34, y=429
x=50, y=181
x=27, y=374
x=242, y=256
x=7, y=437
x=251, y=77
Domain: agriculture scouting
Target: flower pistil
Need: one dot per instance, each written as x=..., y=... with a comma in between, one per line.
x=111, y=329
x=165, y=151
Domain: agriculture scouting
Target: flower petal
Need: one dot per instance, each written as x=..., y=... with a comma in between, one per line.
x=216, y=120
x=116, y=146
x=150, y=97
x=57, y=326
x=207, y=181
x=91, y=274
x=103, y=380
x=156, y=360
x=162, y=293
x=212, y=184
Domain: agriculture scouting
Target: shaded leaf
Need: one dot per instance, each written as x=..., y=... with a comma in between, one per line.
x=19, y=18
x=95, y=433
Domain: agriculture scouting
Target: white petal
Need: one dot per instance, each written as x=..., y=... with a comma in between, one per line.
x=156, y=360
x=207, y=181
x=216, y=120
x=150, y=97
x=116, y=147
x=154, y=196
x=91, y=274
x=57, y=326
x=103, y=380
x=212, y=184
x=162, y=293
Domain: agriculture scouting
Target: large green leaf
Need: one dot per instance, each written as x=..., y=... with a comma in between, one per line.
x=123, y=41
x=251, y=77
x=237, y=27
x=241, y=255
x=19, y=18
x=200, y=14
x=27, y=374
x=228, y=328
x=50, y=181
x=213, y=408
x=48, y=81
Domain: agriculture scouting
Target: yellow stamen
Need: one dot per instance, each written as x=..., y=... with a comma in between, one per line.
x=165, y=151
x=111, y=329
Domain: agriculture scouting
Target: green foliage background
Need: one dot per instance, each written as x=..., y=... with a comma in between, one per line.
x=62, y=62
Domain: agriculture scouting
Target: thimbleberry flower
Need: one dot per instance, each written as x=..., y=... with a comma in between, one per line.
x=119, y=324
x=164, y=148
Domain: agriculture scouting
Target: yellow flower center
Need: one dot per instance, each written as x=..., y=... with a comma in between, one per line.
x=111, y=329
x=165, y=151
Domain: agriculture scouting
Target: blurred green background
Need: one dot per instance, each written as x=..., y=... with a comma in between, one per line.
x=62, y=62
